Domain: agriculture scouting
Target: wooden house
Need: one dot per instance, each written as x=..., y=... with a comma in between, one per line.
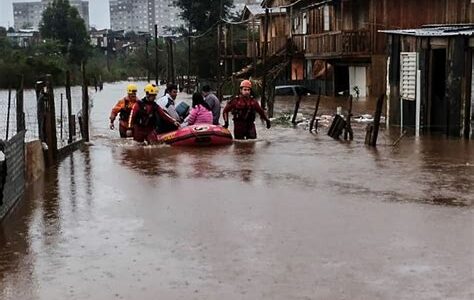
x=431, y=76
x=341, y=42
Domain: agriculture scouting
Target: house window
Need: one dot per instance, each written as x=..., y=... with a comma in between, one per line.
x=305, y=24
x=326, y=16
x=408, y=75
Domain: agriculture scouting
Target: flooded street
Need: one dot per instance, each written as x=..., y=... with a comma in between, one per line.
x=292, y=215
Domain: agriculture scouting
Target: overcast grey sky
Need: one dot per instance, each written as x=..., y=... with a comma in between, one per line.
x=98, y=12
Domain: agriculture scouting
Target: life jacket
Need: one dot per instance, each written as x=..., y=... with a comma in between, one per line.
x=124, y=113
x=243, y=109
x=144, y=118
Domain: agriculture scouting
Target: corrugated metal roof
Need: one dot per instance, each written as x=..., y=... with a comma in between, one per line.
x=466, y=30
x=257, y=10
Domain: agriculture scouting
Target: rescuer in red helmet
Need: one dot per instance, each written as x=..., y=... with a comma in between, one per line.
x=244, y=108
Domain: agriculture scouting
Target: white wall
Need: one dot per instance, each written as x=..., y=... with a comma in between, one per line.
x=358, y=77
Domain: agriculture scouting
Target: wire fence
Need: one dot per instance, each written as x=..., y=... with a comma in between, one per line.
x=8, y=113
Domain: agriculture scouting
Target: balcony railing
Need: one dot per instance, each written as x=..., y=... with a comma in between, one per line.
x=276, y=44
x=339, y=43
x=299, y=42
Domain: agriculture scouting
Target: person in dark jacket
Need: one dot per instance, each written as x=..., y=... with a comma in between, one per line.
x=213, y=103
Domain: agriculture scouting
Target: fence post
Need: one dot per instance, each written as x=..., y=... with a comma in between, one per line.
x=20, y=111
x=47, y=118
x=8, y=111
x=85, y=106
x=311, y=124
x=378, y=112
x=271, y=98
x=297, y=107
x=71, y=121
x=61, y=120
x=40, y=94
x=348, y=129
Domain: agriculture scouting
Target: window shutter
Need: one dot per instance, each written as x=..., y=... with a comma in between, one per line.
x=408, y=75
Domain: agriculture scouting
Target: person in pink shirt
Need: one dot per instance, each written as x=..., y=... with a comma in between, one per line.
x=200, y=113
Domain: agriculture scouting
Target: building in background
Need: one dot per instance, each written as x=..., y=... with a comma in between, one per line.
x=24, y=38
x=132, y=15
x=29, y=14
x=142, y=15
x=167, y=16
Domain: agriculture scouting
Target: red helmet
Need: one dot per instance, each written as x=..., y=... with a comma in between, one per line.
x=246, y=83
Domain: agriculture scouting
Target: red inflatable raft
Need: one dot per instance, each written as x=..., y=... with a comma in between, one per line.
x=197, y=135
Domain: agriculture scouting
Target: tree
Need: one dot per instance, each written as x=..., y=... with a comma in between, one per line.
x=201, y=16
x=62, y=22
x=3, y=31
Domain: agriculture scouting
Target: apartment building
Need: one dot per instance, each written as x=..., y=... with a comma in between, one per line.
x=29, y=14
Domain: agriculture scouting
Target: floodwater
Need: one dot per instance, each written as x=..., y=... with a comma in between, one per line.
x=293, y=215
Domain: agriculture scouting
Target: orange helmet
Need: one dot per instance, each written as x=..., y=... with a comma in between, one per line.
x=246, y=83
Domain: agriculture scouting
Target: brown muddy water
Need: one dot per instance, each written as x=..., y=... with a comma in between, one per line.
x=292, y=215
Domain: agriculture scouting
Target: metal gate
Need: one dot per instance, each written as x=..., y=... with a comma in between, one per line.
x=12, y=172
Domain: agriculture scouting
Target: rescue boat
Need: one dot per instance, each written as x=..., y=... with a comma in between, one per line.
x=197, y=135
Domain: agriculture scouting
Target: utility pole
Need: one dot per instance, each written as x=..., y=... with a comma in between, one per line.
x=226, y=68
x=189, y=58
x=263, y=100
x=156, y=54
x=232, y=48
x=233, y=56
x=255, y=49
x=219, y=27
x=107, y=52
x=147, y=55
x=172, y=60
x=169, y=48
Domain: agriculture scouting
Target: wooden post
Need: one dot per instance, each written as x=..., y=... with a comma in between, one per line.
x=20, y=111
x=368, y=133
x=85, y=105
x=271, y=98
x=47, y=118
x=40, y=94
x=8, y=111
x=348, y=129
x=70, y=120
x=378, y=113
x=297, y=107
x=311, y=124
x=156, y=54
x=61, y=120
